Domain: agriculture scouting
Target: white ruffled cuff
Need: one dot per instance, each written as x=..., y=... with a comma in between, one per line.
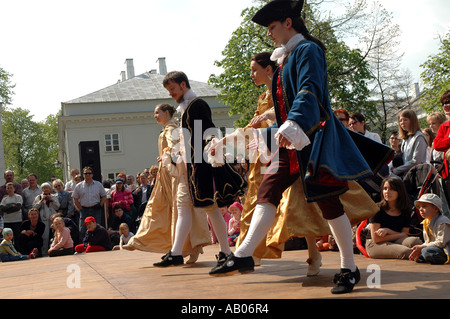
x=166, y=160
x=217, y=159
x=294, y=134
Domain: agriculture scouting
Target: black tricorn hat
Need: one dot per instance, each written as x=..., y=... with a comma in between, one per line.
x=277, y=10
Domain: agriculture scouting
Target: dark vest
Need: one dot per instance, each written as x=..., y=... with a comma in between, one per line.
x=207, y=184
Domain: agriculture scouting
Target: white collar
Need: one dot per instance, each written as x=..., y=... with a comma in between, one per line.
x=188, y=97
x=279, y=54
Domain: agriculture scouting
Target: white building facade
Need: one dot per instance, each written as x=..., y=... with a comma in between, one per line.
x=115, y=128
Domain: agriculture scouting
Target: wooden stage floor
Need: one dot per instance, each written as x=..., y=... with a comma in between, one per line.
x=131, y=275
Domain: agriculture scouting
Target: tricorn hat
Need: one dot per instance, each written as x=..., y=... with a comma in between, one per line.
x=277, y=10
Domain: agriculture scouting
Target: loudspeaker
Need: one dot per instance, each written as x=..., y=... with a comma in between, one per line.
x=90, y=156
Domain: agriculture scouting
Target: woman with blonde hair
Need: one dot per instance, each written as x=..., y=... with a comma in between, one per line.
x=435, y=120
x=62, y=243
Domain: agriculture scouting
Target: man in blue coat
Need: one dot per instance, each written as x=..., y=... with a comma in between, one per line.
x=312, y=142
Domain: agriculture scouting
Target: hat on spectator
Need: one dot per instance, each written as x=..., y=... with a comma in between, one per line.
x=431, y=199
x=89, y=219
x=237, y=205
x=119, y=180
x=277, y=10
x=7, y=231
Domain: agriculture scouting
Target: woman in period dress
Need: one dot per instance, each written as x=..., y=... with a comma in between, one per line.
x=156, y=230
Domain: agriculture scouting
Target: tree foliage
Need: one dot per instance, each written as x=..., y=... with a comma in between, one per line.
x=348, y=78
x=347, y=70
x=6, y=87
x=436, y=76
x=237, y=88
x=29, y=146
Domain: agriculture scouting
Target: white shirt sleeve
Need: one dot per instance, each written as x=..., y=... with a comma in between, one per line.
x=294, y=134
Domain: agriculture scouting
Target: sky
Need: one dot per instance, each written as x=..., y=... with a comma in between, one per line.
x=61, y=50
x=421, y=22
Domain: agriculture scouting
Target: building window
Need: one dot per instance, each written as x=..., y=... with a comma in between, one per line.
x=112, y=176
x=112, y=142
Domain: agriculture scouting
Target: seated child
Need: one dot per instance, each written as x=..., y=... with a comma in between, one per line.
x=234, y=225
x=62, y=243
x=125, y=235
x=7, y=250
x=226, y=216
x=119, y=217
x=436, y=232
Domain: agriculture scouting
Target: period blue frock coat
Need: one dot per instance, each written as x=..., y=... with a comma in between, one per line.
x=333, y=157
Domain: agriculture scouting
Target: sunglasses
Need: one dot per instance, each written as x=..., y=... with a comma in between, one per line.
x=446, y=102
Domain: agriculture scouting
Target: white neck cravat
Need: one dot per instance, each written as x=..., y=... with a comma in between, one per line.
x=188, y=97
x=279, y=54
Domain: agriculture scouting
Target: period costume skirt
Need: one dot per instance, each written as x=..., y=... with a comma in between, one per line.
x=157, y=228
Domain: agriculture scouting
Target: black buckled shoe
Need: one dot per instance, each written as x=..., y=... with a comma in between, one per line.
x=168, y=260
x=233, y=265
x=221, y=259
x=345, y=281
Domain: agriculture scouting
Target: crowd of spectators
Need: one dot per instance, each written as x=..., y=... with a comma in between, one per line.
x=85, y=215
x=82, y=215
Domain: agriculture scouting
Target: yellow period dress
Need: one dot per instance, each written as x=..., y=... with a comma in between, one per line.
x=295, y=217
x=157, y=227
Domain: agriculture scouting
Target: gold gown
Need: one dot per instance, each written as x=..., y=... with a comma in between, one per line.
x=157, y=227
x=295, y=217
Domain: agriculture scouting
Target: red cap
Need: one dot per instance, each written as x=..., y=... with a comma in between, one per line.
x=88, y=220
x=237, y=205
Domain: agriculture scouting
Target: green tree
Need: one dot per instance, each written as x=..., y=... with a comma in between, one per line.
x=237, y=88
x=19, y=137
x=436, y=76
x=5, y=86
x=347, y=70
x=29, y=146
x=348, y=78
x=46, y=152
